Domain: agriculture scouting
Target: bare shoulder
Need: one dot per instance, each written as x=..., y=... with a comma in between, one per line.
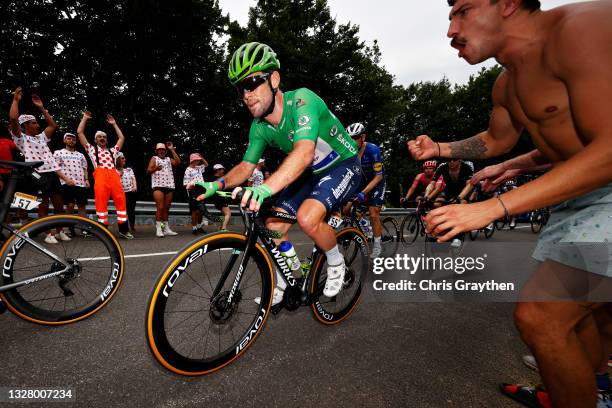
x=579, y=34
x=500, y=88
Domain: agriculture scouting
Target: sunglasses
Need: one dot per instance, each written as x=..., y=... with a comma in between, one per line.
x=251, y=83
x=356, y=137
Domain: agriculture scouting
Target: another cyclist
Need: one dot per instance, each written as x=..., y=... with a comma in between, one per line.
x=421, y=181
x=373, y=183
x=321, y=170
x=456, y=175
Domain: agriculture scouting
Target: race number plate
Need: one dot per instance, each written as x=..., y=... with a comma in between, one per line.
x=25, y=201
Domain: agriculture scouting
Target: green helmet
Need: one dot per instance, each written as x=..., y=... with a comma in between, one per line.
x=251, y=57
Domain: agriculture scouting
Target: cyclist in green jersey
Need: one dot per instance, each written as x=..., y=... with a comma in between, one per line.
x=321, y=170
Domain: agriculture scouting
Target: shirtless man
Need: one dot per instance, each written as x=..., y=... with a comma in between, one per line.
x=557, y=85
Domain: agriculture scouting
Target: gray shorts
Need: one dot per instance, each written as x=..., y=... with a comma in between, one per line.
x=579, y=233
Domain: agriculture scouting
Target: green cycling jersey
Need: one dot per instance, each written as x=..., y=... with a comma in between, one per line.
x=305, y=117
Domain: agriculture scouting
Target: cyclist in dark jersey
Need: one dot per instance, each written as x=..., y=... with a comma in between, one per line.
x=321, y=170
x=456, y=175
x=373, y=182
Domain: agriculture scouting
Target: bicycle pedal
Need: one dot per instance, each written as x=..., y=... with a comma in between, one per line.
x=275, y=310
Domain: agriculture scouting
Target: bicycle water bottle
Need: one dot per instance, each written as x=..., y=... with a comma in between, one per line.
x=366, y=227
x=287, y=250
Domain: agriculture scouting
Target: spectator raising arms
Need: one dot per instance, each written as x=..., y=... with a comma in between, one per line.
x=162, y=182
x=193, y=174
x=74, y=165
x=33, y=144
x=106, y=179
x=128, y=181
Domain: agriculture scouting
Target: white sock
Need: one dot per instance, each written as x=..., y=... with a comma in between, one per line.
x=377, y=241
x=334, y=257
x=158, y=224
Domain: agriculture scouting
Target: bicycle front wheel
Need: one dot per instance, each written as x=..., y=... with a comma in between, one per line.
x=91, y=261
x=334, y=310
x=192, y=331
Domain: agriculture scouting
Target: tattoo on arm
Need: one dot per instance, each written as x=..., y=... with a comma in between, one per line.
x=472, y=148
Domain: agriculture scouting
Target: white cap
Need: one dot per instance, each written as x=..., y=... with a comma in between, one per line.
x=218, y=166
x=68, y=134
x=99, y=132
x=25, y=118
x=262, y=160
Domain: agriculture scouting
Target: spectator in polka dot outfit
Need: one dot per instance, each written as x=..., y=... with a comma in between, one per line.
x=107, y=183
x=162, y=182
x=130, y=187
x=194, y=173
x=33, y=144
x=74, y=165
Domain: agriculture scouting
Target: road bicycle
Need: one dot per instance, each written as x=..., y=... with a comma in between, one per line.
x=413, y=226
x=538, y=219
x=54, y=284
x=390, y=234
x=212, y=300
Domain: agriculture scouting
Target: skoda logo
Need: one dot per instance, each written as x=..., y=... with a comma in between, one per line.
x=303, y=120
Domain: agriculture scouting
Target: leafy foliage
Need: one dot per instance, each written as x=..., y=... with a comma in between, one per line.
x=161, y=68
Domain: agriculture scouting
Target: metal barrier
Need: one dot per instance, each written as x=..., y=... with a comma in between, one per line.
x=180, y=211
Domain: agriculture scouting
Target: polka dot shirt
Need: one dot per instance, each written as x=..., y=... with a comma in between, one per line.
x=164, y=177
x=35, y=148
x=107, y=156
x=73, y=165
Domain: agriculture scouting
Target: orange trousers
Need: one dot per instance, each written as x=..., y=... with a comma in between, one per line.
x=108, y=185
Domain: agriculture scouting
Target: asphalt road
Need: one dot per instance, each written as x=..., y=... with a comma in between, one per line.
x=398, y=354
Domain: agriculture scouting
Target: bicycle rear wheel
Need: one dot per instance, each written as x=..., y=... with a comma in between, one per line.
x=536, y=219
x=333, y=310
x=189, y=331
x=474, y=234
x=95, y=271
x=390, y=236
x=489, y=230
x=409, y=229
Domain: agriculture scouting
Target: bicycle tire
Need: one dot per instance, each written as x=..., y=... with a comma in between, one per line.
x=354, y=281
x=96, y=274
x=178, y=287
x=488, y=233
x=409, y=229
x=536, y=221
x=390, y=236
x=474, y=234
x=500, y=224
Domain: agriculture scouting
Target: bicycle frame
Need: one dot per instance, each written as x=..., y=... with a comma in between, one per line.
x=254, y=229
x=9, y=191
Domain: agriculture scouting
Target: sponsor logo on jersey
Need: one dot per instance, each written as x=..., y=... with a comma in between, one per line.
x=291, y=135
x=299, y=103
x=378, y=166
x=341, y=188
x=303, y=120
x=333, y=131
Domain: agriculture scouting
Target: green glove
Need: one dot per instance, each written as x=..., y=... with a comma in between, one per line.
x=260, y=193
x=209, y=188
